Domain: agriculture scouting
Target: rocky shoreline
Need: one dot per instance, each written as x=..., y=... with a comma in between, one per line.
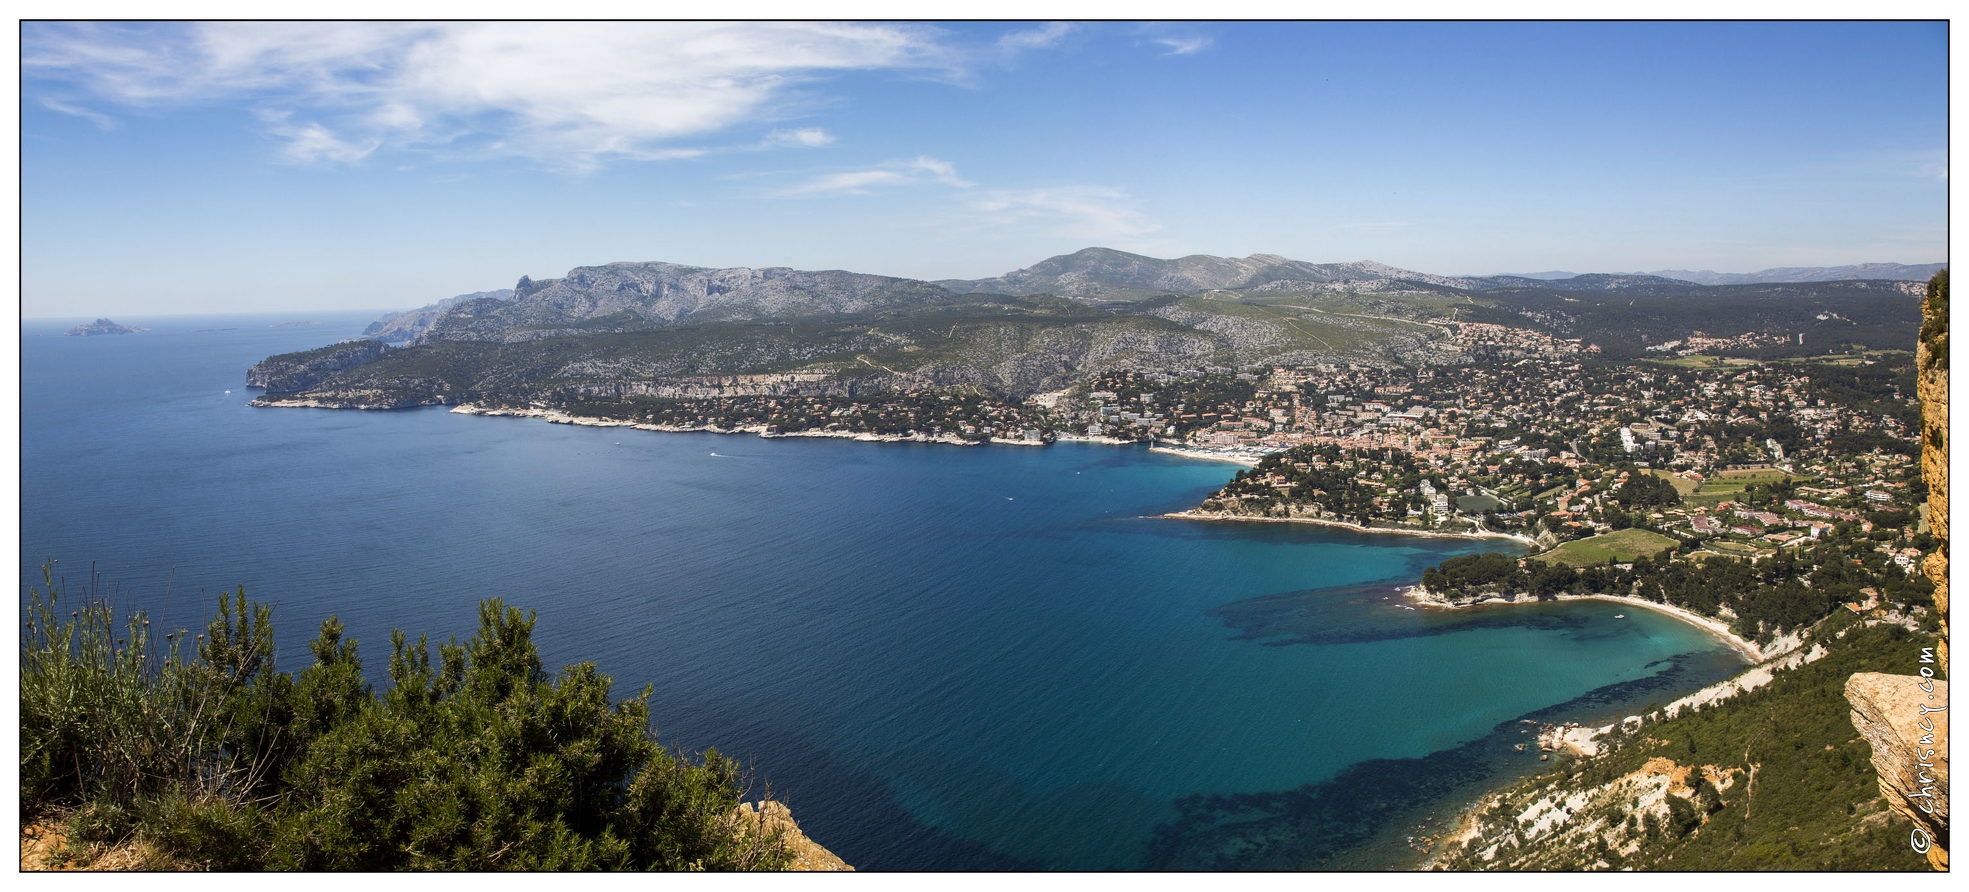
x=557, y=417
x=311, y=403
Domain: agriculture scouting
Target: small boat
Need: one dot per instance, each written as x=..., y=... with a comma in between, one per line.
x=1620, y=616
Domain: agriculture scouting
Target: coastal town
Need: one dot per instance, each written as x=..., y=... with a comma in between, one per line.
x=1756, y=496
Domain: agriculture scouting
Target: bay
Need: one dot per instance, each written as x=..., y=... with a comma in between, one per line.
x=940, y=657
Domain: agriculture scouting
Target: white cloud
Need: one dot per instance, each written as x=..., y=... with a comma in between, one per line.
x=100, y=119
x=573, y=94
x=941, y=171
x=1183, y=46
x=805, y=137
x=849, y=183
x=1039, y=38
x=1096, y=213
x=922, y=169
x=311, y=143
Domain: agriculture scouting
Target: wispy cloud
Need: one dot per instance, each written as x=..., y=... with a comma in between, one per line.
x=101, y=120
x=805, y=137
x=569, y=94
x=312, y=143
x=1185, y=45
x=920, y=170
x=1097, y=213
x=1043, y=37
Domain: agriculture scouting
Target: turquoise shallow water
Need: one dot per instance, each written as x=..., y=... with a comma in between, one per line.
x=943, y=658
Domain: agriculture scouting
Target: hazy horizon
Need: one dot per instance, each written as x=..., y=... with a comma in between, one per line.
x=397, y=309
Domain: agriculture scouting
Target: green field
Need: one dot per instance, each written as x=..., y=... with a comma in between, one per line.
x=1684, y=487
x=1620, y=545
x=1727, y=485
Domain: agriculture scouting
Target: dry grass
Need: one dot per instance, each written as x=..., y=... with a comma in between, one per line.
x=45, y=847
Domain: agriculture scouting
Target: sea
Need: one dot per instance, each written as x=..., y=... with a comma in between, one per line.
x=941, y=657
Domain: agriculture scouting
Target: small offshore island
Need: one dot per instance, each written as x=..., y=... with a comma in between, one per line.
x=1669, y=446
x=101, y=327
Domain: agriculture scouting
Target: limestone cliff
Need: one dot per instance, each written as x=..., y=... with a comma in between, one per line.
x=1903, y=716
x=1897, y=715
x=1931, y=384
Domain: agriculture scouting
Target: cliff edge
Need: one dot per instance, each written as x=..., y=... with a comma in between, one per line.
x=1903, y=717
x=1897, y=716
x=807, y=854
x=1931, y=386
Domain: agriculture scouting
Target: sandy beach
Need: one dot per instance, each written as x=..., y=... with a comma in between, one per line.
x=1207, y=455
x=1341, y=524
x=1715, y=627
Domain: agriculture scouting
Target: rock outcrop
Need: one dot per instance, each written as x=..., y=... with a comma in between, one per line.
x=769, y=816
x=1899, y=716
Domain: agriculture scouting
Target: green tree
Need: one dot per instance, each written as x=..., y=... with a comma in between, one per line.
x=482, y=761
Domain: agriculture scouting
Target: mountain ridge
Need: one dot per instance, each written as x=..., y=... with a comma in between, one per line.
x=1898, y=272
x=628, y=296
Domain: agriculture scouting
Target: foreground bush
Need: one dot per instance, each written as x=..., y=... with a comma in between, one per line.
x=482, y=761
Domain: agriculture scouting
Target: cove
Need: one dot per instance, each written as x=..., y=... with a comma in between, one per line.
x=939, y=657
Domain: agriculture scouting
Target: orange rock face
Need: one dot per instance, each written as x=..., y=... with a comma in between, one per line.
x=1897, y=715
x=1931, y=386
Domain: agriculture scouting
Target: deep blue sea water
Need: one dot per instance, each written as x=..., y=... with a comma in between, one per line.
x=941, y=657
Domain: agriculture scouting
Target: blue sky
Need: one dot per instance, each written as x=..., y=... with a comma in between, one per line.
x=241, y=167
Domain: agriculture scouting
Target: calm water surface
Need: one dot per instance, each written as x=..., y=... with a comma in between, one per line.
x=941, y=657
